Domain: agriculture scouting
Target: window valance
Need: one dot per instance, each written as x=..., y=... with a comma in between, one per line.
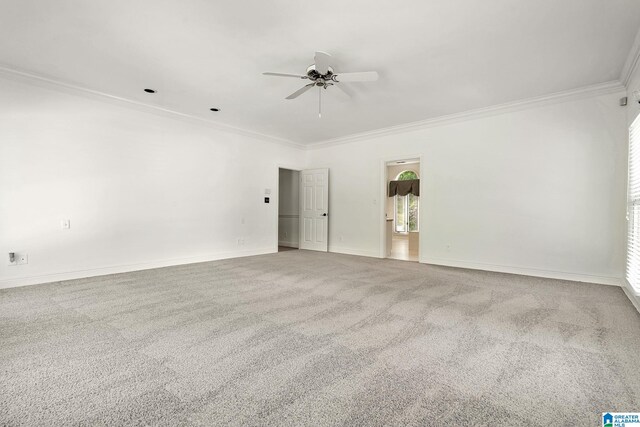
x=402, y=188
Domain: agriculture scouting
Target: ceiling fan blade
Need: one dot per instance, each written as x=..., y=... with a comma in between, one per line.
x=343, y=90
x=297, y=76
x=300, y=91
x=323, y=61
x=365, y=76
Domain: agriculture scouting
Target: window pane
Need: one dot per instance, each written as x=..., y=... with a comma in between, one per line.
x=400, y=214
x=633, y=208
x=413, y=212
x=407, y=175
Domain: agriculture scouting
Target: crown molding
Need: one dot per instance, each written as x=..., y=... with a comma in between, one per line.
x=588, y=91
x=49, y=83
x=633, y=59
x=554, y=98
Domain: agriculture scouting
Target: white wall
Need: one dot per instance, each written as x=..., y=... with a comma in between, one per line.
x=537, y=191
x=288, y=208
x=141, y=190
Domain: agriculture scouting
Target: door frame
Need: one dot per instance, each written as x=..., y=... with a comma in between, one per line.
x=383, y=202
x=276, y=199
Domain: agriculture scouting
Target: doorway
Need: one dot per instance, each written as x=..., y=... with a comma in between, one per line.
x=402, y=209
x=288, y=209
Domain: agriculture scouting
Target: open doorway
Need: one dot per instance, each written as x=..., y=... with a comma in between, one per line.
x=288, y=209
x=402, y=209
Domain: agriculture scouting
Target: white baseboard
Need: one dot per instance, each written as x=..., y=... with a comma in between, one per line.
x=288, y=244
x=349, y=251
x=561, y=275
x=632, y=295
x=102, y=271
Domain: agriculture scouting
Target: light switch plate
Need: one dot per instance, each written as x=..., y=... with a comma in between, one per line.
x=65, y=224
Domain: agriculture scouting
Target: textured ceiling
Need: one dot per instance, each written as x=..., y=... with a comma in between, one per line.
x=434, y=57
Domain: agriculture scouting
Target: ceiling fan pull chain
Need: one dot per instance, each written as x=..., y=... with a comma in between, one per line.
x=319, y=102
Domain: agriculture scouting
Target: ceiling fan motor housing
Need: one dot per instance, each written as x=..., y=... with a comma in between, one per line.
x=319, y=79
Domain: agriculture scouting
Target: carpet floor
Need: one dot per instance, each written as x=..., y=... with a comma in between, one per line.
x=313, y=339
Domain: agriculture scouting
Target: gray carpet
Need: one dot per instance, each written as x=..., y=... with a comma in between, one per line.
x=300, y=338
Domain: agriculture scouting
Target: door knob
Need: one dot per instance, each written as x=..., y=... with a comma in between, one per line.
x=324, y=214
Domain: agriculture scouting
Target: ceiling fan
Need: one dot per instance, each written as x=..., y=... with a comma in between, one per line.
x=322, y=75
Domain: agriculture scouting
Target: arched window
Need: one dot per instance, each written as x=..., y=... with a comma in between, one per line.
x=406, y=175
x=406, y=207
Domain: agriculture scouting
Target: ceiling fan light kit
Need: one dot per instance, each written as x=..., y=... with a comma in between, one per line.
x=322, y=75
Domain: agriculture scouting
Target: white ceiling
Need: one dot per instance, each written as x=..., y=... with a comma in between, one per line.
x=435, y=57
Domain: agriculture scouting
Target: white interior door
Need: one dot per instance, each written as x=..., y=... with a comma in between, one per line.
x=314, y=209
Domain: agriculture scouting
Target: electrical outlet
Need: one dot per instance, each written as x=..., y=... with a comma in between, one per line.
x=285, y=234
x=341, y=238
x=17, y=259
